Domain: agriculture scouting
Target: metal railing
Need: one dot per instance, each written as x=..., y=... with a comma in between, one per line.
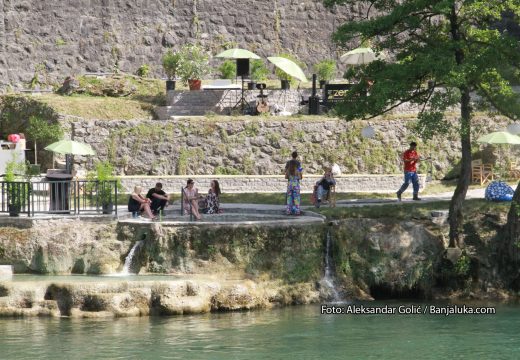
x=70, y=197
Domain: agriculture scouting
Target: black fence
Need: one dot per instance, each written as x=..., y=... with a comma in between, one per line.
x=68, y=197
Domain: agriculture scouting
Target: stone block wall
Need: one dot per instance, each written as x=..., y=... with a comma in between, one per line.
x=269, y=183
x=59, y=38
x=262, y=145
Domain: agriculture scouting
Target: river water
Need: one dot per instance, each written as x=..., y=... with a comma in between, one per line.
x=300, y=332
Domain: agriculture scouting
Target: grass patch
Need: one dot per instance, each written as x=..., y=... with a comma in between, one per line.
x=445, y=186
x=406, y=211
x=105, y=108
x=144, y=95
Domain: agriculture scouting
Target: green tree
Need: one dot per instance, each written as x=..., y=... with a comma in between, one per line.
x=439, y=53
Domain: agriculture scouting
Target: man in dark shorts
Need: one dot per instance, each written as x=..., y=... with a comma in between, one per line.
x=158, y=197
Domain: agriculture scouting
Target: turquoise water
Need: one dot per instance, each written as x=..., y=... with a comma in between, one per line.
x=300, y=332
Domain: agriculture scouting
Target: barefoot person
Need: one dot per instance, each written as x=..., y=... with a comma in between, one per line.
x=410, y=159
x=191, y=199
x=293, y=176
x=137, y=203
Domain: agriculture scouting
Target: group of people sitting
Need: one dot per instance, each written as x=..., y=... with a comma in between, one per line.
x=156, y=200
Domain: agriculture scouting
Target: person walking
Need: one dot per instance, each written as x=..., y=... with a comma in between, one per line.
x=410, y=159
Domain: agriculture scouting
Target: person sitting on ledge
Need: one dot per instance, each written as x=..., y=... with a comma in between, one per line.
x=323, y=186
x=212, y=200
x=190, y=199
x=139, y=204
x=159, y=199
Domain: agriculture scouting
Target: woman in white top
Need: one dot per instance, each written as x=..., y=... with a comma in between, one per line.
x=191, y=199
x=138, y=203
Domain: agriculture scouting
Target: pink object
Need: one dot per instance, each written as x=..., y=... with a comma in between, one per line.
x=13, y=138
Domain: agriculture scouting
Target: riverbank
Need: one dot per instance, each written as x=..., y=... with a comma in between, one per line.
x=380, y=251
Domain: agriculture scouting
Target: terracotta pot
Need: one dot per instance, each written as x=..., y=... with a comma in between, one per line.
x=194, y=84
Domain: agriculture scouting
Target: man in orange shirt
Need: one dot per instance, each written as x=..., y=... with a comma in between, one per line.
x=410, y=158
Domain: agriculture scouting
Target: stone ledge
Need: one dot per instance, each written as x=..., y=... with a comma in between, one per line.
x=270, y=183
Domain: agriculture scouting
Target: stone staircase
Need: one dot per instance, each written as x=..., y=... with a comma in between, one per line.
x=193, y=103
x=200, y=103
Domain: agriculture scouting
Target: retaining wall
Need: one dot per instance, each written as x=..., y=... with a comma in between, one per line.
x=270, y=183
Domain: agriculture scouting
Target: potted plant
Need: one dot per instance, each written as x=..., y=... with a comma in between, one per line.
x=170, y=62
x=17, y=190
x=103, y=178
x=193, y=65
x=325, y=70
x=228, y=69
x=285, y=78
x=259, y=73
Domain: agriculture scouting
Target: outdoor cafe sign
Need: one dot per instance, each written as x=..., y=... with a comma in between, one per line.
x=335, y=93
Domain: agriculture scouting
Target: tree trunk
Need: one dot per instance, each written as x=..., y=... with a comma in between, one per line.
x=455, y=217
x=509, y=245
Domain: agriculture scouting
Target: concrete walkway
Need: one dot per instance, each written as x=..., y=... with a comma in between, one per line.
x=407, y=198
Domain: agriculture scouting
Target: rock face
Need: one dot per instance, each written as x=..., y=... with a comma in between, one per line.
x=231, y=267
x=62, y=246
x=136, y=298
x=290, y=252
x=262, y=146
x=55, y=39
x=385, y=258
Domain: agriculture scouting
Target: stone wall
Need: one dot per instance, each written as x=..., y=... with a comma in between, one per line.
x=270, y=183
x=60, y=38
x=262, y=145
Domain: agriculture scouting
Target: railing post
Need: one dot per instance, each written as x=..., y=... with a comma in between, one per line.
x=182, y=201
x=29, y=198
x=75, y=194
x=115, y=201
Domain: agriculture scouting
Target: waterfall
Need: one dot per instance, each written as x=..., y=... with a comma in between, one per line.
x=328, y=281
x=129, y=258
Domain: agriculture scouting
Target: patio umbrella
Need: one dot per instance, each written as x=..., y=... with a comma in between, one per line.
x=289, y=66
x=237, y=54
x=499, y=137
x=360, y=56
x=70, y=147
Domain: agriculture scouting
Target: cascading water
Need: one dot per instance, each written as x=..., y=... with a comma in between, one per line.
x=129, y=258
x=327, y=280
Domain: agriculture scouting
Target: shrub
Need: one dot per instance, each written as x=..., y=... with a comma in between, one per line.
x=325, y=69
x=170, y=63
x=259, y=71
x=104, y=172
x=143, y=70
x=37, y=120
x=193, y=63
x=228, y=69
